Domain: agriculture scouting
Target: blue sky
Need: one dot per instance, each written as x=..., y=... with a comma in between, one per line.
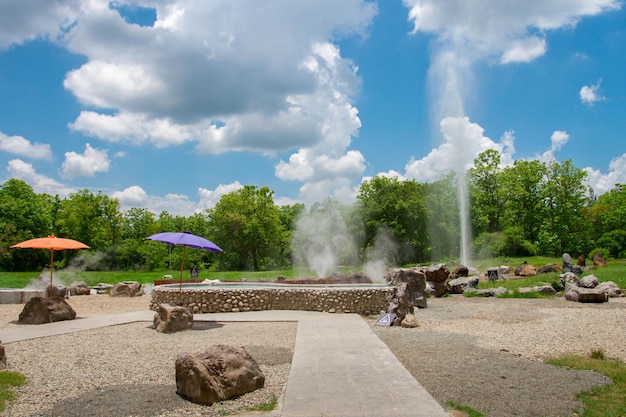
x=169, y=104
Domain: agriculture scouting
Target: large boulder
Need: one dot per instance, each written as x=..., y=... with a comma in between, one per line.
x=525, y=270
x=569, y=278
x=216, y=374
x=460, y=271
x=79, y=288
x=437, y=277
x=610, y=288
x=598, y=259
x=171, y=318
x=548, y=268
x=459, y=285
x=46, y=310
x=416, y=283
x=567, y=262
x=590, y=281
x=42, y=282
x=585, y=295
x=401, y=302
x=126, y=289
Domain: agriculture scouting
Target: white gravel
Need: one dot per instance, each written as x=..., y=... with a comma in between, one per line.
x=128, y=370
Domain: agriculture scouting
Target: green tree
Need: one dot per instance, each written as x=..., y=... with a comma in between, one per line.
x=94, y=219
x=400, y=207
x=442, y=205
x=608, y=213
x=564, y=228
x=487, y=198
x=523, y=183
x=247, y=226
x=23, y=215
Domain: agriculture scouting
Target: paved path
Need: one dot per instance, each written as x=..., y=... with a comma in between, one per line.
x=340, y=367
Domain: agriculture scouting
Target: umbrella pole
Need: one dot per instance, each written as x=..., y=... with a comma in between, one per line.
x=180, y=280
x=50, y=289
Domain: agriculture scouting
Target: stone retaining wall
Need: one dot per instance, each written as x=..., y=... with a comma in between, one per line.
x=364, y=301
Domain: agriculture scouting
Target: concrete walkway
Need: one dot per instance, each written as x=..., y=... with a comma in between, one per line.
x=340, y=367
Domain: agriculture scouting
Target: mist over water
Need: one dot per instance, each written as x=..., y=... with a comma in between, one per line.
x=322, y=240
x=381, y=256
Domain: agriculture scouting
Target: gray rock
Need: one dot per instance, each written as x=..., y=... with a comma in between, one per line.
x=610, y=288
x=416, y=283
x=541, y=289
x=569, y=278
x=567, y=262
x=487, y=292
x=171, y=318
x=126, y=289
x=46, y=310
x=216, y=374
x=459, y=285
x=590, y=281
x=410, y=321
x=79, y=288
x=585, y=295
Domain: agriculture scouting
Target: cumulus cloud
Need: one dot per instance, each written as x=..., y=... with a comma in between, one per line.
x=463, y=142
x=136, y=197
x=498, y=31
x=41, y=184
x=208, y=198
x=20, y=146
x=601, y=183
x=87, y=164
x=557, y=140
x=590, y=95
x=24, y=20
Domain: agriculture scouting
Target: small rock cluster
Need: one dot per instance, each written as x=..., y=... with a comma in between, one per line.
x=588, y=289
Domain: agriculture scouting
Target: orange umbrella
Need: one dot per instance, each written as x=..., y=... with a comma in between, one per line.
x=53, y=243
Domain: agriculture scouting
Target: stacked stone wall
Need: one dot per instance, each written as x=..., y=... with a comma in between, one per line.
x=364, y=301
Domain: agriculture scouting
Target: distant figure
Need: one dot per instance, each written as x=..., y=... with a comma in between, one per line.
x=581, y=260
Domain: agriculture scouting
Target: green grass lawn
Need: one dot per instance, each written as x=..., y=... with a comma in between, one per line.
x=606, y=400
x=615, y=271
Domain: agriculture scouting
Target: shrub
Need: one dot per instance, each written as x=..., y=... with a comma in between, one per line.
x=488, y=245
x=604, y=252
x=614, y=241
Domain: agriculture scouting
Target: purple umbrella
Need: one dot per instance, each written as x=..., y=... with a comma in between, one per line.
x=185, y=239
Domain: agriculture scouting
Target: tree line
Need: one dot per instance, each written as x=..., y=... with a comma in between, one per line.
x=529, y=208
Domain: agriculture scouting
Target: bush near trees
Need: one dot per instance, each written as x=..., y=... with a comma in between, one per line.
x=528, y=208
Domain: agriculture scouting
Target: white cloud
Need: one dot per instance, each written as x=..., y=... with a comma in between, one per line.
x=40, y=183
x=497, y=31
x=20, y=146
x=524, y=50
x=512, y=30
x=463, y=142
x=24, y=20
x=601, y=183
x=86, y=165
x=135, y=196
x=557, y=140
x=589, y=94
x=208, y=198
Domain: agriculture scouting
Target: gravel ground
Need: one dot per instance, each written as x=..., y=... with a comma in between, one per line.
x=488, y=353
x=128, y=370
x=484, y=353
